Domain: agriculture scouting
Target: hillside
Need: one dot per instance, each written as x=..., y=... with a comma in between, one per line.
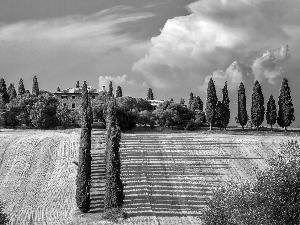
x=168, y=177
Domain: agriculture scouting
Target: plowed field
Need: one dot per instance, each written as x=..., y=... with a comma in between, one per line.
x=168, y=177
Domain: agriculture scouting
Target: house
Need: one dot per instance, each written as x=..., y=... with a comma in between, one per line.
x=71, y=97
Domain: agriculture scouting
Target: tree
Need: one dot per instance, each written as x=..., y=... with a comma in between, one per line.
x=225, y=105
x=119, y=92
x=83, y=180
x=197, y=104
x=35, y=87
x=21, y=88
x=211, y=102
x=77, y=84
x=271, y=113
x=113, y=186
x=191, y=100
x=242, y=116
x=150, y=94
x=182, y=101
x=63, y=114
x=58, y=89
x=11, y=91
x=285, y=106
x=219, y=115
x=3, y=92
x=257, y=107
x=110, y=90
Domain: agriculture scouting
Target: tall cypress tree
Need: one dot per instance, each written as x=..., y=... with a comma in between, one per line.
x=35, y=87
x=77, y=84
x=191, y=100
x=3, y=92
x=225, y=106
x=150, y=94
x=21, y=88
x=219, y=120
x=242, y=110
x=271, y=113
x=113, y=187
x=285, y=106
x=182, y=101
x=110, y=89
x=257, y=107
x=83, y=181
x=211, y=102
x=119, y=92
x=11, y=91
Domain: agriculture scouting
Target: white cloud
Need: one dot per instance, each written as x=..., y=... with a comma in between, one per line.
x=129, y=86
x=216, y=33
x=268, y=67
x=97, y=32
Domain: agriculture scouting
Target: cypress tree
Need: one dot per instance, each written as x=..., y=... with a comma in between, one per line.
x=110, y=89
x=199, y=103
x=285, y=106
x=150, y=94
x=83, y=181
x=211, y=102
x=191, y=100
x=182, y=101
x=11, y=91
x=3, y=92
x=77, y=84
x=271, y=113
x=225, y=106
x=242, y=110
x=35, y=87
x=219, y=115
x=119, y=92
x=257, y=107
x=21, y=88
x=113, y=187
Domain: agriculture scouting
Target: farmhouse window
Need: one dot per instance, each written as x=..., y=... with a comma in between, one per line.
x=73, y=96
x=73, y=105
x=64, y=97
x=93, y=97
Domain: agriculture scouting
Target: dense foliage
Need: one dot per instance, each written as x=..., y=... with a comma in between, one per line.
x=271, y=113
x=83, y=180
x=211, y=102
x=11, y=91
x=285, y=105
x=113, y=186
x=3, y=216
x=242, y=116
x=257, y=107
x=273, y=199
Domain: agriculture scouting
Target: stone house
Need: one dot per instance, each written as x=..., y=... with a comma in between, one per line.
x=71, y=97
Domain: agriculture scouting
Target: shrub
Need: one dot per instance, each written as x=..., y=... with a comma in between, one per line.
x=3, y=215
x=191, y=126
x=273, y=199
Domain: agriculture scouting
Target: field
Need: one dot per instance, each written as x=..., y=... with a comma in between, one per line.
x=168, y=177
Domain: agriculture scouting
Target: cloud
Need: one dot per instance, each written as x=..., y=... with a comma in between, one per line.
x=268, y=67
x=129, y=86
x=95, y=32
x=215, y=34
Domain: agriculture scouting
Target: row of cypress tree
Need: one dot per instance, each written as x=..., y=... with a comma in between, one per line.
x=218, y=112
x=113, y=185
x=285, y=115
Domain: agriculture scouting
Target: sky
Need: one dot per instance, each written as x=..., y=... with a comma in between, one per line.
x=172, y=46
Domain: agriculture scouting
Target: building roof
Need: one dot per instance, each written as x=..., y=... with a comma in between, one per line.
x=78, y=90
